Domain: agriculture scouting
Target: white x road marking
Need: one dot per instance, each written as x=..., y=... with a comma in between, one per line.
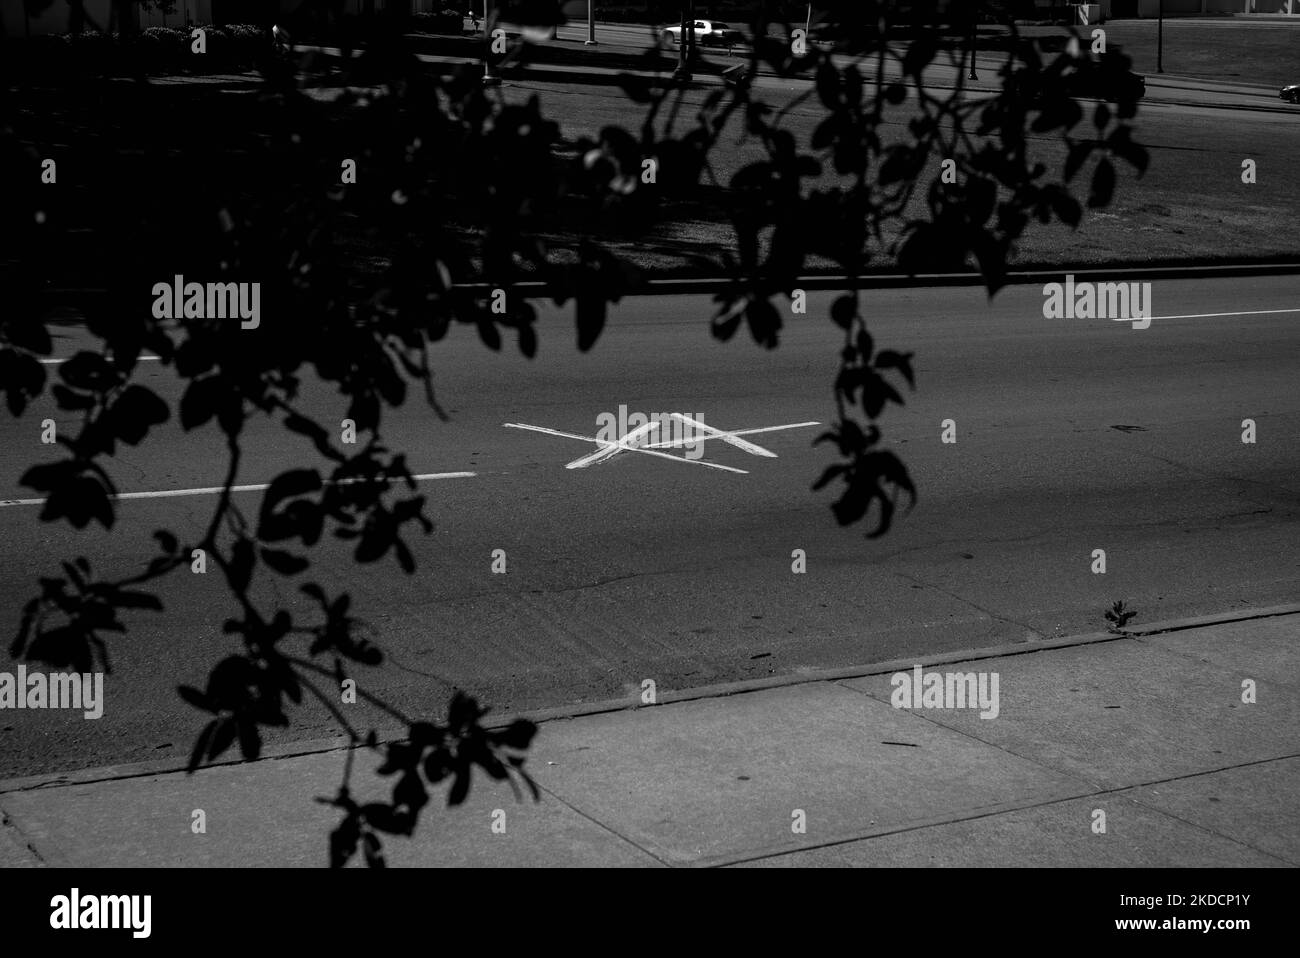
x=630, y=442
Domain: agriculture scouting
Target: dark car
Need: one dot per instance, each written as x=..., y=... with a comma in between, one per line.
x=1291, y=93
x=1107, y=78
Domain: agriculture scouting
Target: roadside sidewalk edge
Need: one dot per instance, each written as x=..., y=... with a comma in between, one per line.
x=719, y=690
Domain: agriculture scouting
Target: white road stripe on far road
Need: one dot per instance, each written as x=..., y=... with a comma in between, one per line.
x=142, y=359
x=252, y=487
x=1246, y=312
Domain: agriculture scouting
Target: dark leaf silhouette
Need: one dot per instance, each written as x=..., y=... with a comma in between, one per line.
x=463, y=193
x=1103, y=184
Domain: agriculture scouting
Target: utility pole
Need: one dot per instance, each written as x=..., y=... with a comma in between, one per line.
x=973, y=75
x=683, y=71
x=490, y=78
x=591, y=23
x=690, y=9
x=1160, y=38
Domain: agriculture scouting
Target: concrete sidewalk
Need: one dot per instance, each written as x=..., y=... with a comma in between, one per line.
x=1149, y=728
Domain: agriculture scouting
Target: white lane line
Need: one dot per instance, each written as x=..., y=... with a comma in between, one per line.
x=664, y=455
x=608, y=449
x=142, y=359
x=549, y=432
x=1245, y=312
x=709, y=431
x=251, y=487
x=735, y=432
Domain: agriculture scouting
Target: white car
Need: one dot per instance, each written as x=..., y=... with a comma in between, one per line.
x=708, y=33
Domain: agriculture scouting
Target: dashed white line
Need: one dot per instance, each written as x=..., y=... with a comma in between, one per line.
x=1247, y=312
x=251, y=487
x=139, y=359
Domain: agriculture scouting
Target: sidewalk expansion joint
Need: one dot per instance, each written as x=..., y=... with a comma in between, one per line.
x=602, y=826
x=1003, y=809
x=1205, y=828
x=16, y=836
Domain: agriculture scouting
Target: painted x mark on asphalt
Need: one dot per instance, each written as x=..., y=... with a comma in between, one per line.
x=632, y=442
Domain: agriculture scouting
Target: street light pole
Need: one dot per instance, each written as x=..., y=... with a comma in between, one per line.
x=973, y=75
x=490, y=77
x=690, y=9
x=591, y=23
x=1160, y=38
x=683, y=71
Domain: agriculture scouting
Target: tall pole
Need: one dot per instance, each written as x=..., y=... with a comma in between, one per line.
x=1160, y=38
x=690, y=8
x=973, y=75
x=591, y=23
x=490, y=77
x=683, y=71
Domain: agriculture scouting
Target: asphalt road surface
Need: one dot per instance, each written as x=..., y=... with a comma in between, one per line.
x=1072, y=436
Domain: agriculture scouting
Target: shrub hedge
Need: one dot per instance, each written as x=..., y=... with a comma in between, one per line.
x=156, y=50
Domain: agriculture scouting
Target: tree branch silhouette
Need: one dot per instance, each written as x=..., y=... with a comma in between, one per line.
x=358, y=284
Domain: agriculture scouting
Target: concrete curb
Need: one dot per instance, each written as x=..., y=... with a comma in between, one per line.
x=605, y=69
x=1234, y=107
x=688, y=286
x=1200, y=621
x=713, y=285
x=720, y=690
x=1014, y=805
x=608, y=76
x=1184, y=82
